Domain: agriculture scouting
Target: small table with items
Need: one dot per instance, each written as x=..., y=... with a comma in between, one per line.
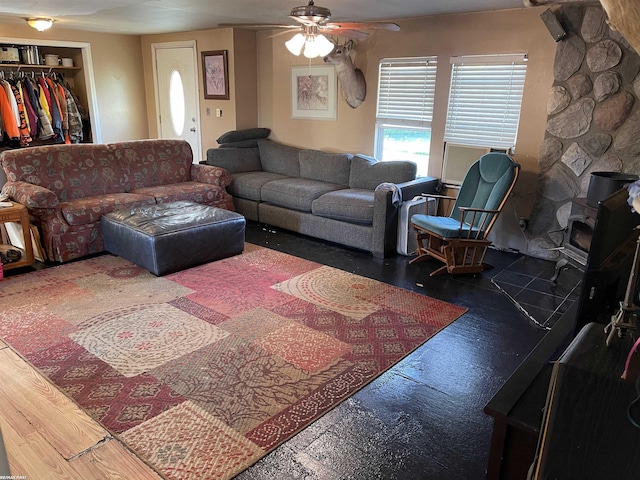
x=18, y=213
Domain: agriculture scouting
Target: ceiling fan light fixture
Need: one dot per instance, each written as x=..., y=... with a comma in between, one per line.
x=311, y=48
x=40, y=24
x=311, y=13
x=325, y=47
x=295, y=44
x=317, y=46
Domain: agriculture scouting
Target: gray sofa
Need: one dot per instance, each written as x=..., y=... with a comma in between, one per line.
x=342, y=198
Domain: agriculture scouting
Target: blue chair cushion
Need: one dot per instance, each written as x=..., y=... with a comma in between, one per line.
x=446, y=227
x=486, y=183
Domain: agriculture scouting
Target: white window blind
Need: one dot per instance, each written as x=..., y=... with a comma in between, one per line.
x=405, y=91
x=484, y=100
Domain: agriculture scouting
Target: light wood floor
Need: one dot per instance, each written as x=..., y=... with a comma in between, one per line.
x=47, y=436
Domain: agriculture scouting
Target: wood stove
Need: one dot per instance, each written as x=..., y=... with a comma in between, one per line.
x=577, y=239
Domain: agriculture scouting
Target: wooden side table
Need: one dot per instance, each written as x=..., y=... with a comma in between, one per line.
x=18, y=213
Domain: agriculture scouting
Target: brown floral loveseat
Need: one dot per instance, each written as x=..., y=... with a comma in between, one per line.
x=67, y=188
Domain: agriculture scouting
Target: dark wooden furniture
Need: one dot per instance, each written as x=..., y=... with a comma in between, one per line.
x=586, y=433
x=517, y=408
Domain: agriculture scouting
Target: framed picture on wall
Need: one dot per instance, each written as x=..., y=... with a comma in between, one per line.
x=313, y=92
x=216, y=75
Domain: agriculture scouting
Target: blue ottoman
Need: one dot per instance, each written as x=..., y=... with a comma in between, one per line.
x=173, y=236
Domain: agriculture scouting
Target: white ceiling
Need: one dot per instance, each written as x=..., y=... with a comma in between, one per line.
x=164, y=16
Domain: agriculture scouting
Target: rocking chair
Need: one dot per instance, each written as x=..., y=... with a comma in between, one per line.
x=460, y=239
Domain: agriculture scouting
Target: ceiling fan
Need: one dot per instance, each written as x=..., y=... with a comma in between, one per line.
x=314, y=22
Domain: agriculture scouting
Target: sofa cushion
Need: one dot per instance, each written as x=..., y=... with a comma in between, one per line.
x=326, y=167
x=248, y=185
x=82, y=211
x=353, y=205
x=204, y=193
x=70, y=171
x=368, y=173
x=155, y=162
x=278, y=158
x=296, y=193
x=245, y=134
x=235, y=159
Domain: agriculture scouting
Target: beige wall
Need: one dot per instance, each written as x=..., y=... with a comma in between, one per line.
x=508, y=31
x=118, y=77
x=245, y=78
x=240, y=111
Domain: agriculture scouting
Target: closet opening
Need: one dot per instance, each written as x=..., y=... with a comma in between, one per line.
x=78, y=73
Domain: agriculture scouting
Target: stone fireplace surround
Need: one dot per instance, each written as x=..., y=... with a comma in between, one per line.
x=593, y=121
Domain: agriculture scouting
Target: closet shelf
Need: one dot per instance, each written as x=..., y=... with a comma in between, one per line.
x=24, y=66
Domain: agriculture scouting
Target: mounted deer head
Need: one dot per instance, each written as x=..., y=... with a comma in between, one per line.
x=351, y=79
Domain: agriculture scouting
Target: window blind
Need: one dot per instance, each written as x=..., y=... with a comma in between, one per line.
x=484, y=100
x=406, y=87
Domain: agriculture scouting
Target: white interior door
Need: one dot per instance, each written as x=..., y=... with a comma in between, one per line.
x=177, y=94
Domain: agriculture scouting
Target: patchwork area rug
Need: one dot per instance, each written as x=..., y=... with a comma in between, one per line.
x=205, y=371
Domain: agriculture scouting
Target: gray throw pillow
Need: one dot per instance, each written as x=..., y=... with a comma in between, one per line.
x=246, y=134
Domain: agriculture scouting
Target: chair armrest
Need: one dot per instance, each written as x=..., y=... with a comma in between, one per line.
x=484, y=221
x=437, y=197
x=210, y=174
x=482, y=210
x=30, y=195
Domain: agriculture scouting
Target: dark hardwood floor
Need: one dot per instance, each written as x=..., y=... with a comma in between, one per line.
x=423, y=418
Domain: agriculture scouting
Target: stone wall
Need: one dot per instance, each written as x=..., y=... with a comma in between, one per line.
x=593, y=121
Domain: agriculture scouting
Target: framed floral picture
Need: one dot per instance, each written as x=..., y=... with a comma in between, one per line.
x=313, y=92
x=216, y=75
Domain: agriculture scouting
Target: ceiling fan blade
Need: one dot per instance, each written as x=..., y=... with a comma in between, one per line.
x=284, y=32
x=365, y=25
x=345, y=32
x=256, y=25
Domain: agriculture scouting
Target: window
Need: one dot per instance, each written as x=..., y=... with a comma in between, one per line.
x=176, y=102
x=485, y=99
x=406, y=89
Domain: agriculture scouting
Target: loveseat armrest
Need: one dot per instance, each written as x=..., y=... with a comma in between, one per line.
x=30, y=195
x=417, y=187
x=385, y=214
x=210, y=174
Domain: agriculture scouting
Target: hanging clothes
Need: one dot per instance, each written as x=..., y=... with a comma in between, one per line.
x=42, y=108
x=75, y=119
x=83, y=131
x=56, y=116
x=45, y=130
x=9, y=125
x=23, y=127
x=32, y=116
x=62, y=102
x=12, y=100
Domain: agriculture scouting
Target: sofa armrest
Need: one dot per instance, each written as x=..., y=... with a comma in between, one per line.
x=30, y=195
x=385, y=214
x=418, y=186
x=210, y=174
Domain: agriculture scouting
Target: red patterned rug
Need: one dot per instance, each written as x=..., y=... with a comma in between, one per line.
x=205, y=371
